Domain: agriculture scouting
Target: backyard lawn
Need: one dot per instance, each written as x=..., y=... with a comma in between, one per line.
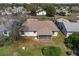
x=33, y=47
x=51, y=51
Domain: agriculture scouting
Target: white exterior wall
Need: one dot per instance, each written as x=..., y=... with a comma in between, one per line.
x=6, y=34
x=29, y=34
x=55, y=33
x=41, y=13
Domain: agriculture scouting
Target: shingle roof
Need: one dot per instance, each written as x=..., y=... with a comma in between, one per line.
x=42, y=27
x=39, y=10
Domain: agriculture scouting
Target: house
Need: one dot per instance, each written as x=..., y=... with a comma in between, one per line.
x=63, y=9
x=44, y=30
x=18, y=10
x=8, y=10
x=75, y=9
x=40, y=12
x=14, y=10
x=67, y=27
x=3, y=13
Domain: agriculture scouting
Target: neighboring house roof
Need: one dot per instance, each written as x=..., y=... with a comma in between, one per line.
x=40, y=10
x=42, y=27
x=62, y=9
x=18, y=9
x=75, y=8
x=62, y=20
x=70, y=26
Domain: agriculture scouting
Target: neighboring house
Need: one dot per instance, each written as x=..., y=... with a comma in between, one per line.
x=67, y=27
x=40, y=12
x=8, y=10
x=22, y=10
x=40, y=29
x=75, y=9
x=63, y=9
x=18, y=9
x=3, y=12
x=15, y=10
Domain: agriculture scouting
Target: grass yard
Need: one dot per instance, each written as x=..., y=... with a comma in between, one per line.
x=6, y=50
x=51, y=51
x=70, y=17
x=40, y=17
x=32, y=47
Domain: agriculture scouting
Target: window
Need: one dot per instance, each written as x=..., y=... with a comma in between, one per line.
x=22, y=32
x=52, y=31
x=34, y=31
x=5, y=32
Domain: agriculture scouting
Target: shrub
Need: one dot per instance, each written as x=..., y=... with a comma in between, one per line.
x=62, y=13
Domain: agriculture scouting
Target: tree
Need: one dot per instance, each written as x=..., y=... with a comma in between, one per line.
x=50, y=10
x=25, y=5
x=72, y=42
x=16, y=4
x=15, y=28
x=33, y=11
x=33, y=8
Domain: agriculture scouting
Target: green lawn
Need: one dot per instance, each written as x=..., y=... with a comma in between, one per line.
x=10, y=51
x=6, y=50
x=51, y=51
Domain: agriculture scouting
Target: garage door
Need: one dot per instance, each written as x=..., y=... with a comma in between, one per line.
x=44, y=37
